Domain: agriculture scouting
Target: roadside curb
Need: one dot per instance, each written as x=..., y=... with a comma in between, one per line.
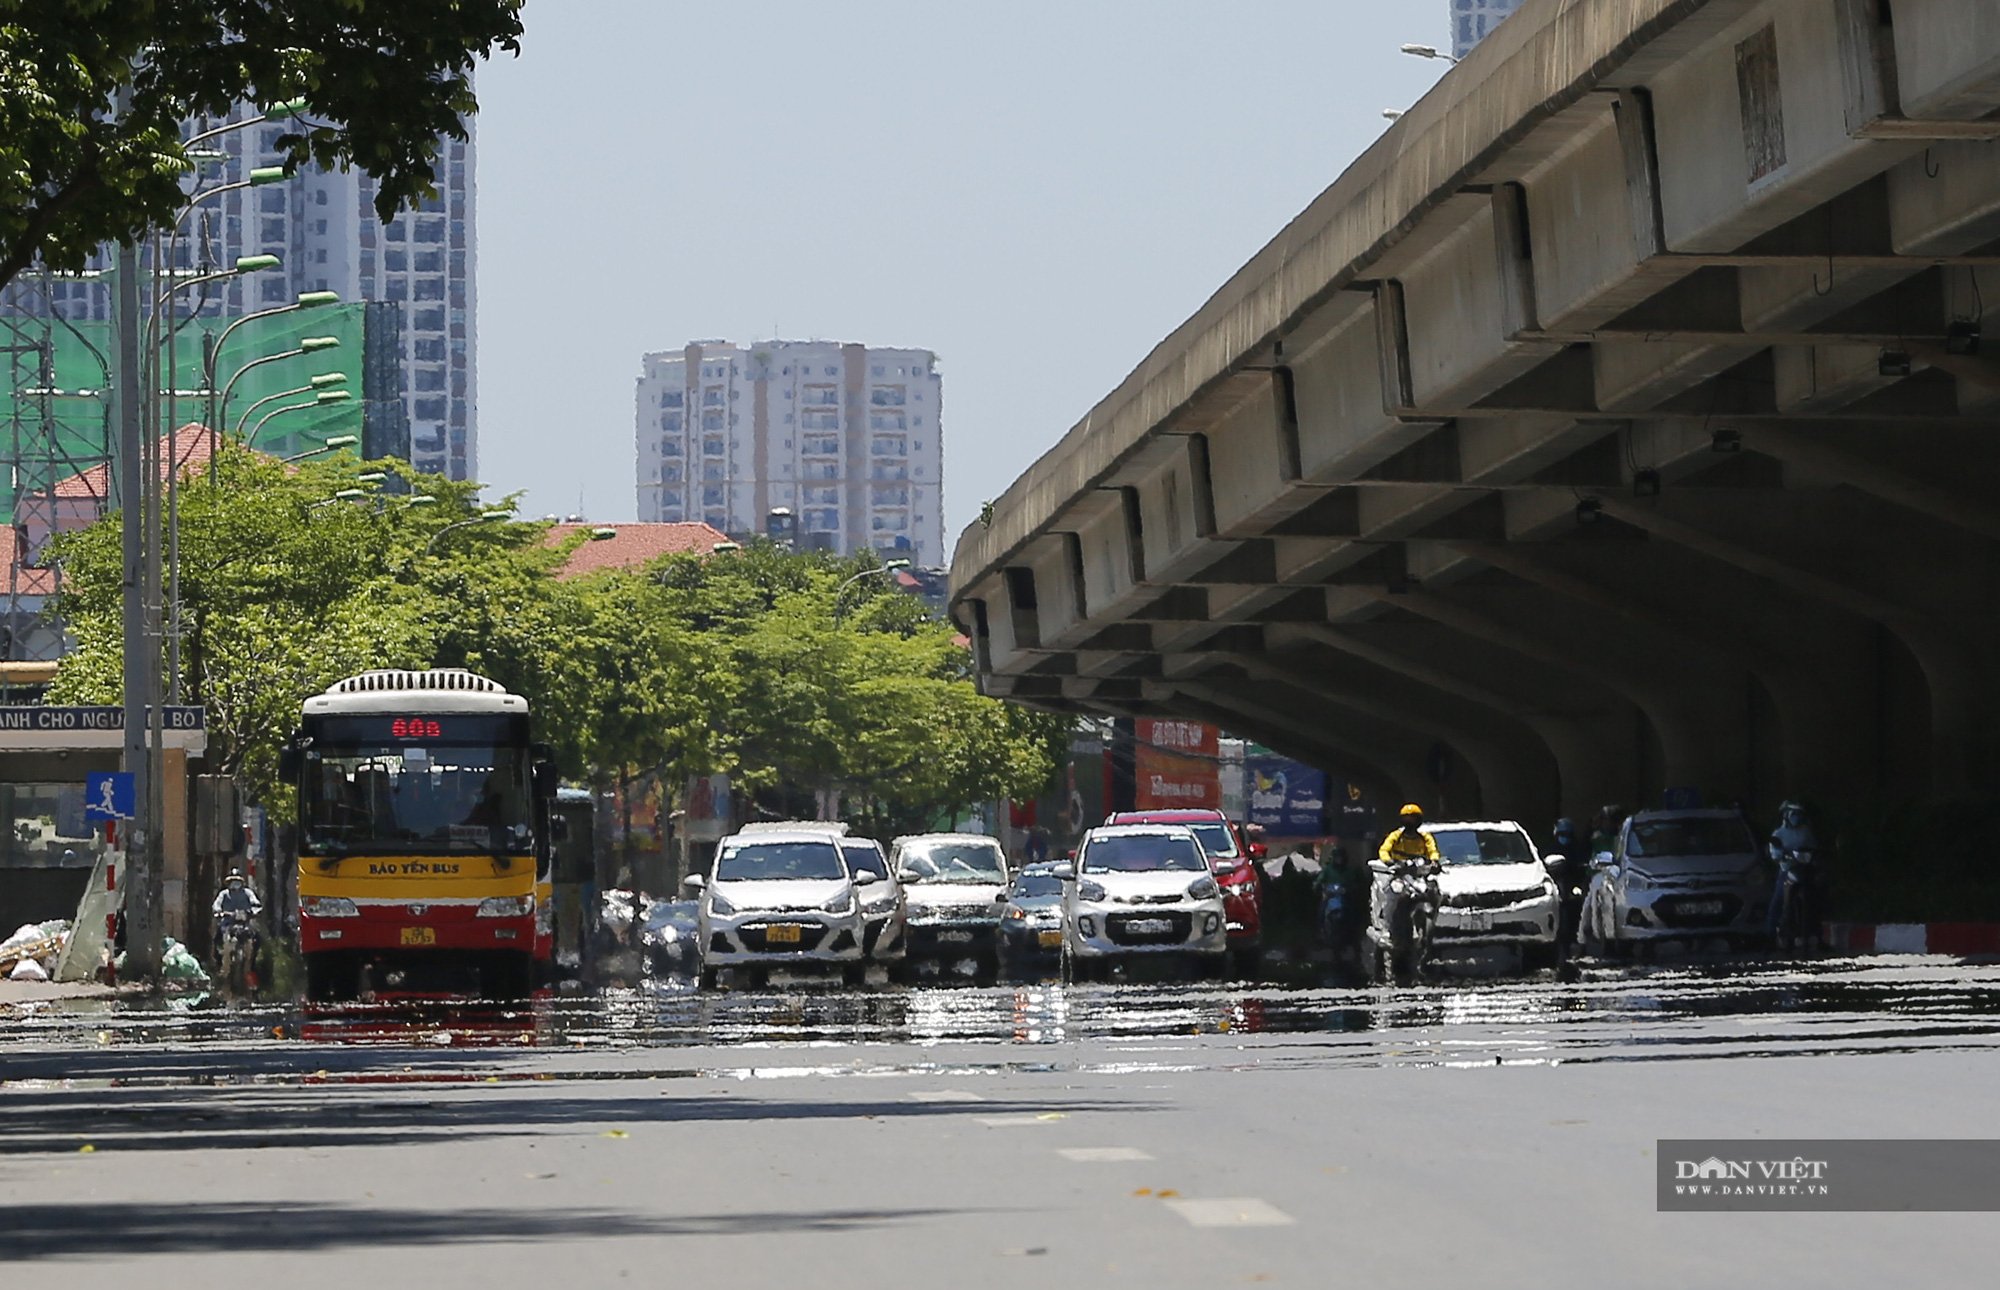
x=1962, y=939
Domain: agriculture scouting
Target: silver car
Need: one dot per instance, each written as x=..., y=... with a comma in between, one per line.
x=953, y=887
x=1677, y=875
x=882, y=903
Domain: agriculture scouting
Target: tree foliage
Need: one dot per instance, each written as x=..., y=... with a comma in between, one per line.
x=383, y=81
x=795, y=673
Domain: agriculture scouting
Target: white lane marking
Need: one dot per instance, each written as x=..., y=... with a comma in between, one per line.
x=1231, y=1211
x=1097, y=1155
x=1010, y=1121
x=945, y=1095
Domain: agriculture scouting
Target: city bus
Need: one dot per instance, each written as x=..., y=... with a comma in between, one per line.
x=423, y=859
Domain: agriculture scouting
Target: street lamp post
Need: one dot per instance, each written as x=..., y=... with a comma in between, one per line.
x=324, y=381
x=320, y=400
x=484, y=517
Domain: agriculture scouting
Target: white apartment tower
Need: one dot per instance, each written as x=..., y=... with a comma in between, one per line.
x=845, y=437
x=324, y=228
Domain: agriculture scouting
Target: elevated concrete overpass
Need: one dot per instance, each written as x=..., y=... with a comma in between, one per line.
x=1619, y=420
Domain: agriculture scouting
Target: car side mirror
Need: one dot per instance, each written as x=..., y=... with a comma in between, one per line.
x=1258, y=850
x=908, y=874
x=693, y=883
x=1000, y=899
x=1603, y=860
x=865, y=877
x=1554, y=861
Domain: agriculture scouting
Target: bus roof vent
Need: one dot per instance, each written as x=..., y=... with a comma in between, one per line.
x=436, y=678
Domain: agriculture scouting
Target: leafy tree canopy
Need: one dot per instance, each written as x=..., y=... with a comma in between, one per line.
x=383, y=80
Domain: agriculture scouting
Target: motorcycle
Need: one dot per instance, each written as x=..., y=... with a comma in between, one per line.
x=236, y=942
x=1796, y=892
x=1400, y=937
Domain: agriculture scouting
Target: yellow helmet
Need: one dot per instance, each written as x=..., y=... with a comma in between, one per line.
x=1411, y=810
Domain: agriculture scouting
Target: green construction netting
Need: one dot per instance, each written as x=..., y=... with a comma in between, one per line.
x=46, y=438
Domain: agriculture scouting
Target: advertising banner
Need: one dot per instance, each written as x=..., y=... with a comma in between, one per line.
x=1175, y=766
x=1287, y=797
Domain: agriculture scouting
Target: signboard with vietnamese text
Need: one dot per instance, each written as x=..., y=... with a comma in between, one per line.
x=1287, y=797
x=38, y=726
x=1175, y=766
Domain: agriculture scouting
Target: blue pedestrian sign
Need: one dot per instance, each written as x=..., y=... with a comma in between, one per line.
x=108, y=795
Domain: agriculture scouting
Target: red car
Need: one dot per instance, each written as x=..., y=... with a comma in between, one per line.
x=1236, y=870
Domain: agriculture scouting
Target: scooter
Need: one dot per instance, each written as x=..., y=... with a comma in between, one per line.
x=1796, y=892
x=236, y=941
x=1401, y=942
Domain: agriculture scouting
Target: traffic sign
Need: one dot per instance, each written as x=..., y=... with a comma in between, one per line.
x=108, y=795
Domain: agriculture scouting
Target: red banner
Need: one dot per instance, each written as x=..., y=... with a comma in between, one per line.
x=1175, y=766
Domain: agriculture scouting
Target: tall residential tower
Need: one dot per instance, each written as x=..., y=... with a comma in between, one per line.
x=844, y=437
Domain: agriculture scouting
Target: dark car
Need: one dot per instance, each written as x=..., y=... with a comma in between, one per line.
x=1233, y=858
x=1031, y=920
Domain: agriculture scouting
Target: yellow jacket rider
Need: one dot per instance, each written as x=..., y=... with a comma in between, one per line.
x=1409, y=842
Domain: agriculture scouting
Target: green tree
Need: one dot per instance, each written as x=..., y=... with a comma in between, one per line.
x=383, y=80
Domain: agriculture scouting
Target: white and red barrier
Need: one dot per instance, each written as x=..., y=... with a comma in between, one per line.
x=1962, y=939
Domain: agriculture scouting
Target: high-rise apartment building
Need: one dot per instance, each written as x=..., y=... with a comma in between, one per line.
x=323, y=226
x=1472, y=19
x=845, y=437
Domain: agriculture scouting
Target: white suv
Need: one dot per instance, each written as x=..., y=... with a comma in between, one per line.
x=1495, y=891
x=1142, y=890
x=779, y=898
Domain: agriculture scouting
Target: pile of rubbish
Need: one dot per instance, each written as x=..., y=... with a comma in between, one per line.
x=30, y=954
x=177, y=966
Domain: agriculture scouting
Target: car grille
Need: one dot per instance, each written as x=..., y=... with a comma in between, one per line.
x=1491, y=899
x=1697, y=911
x=1116, y=925
x=1167, y=898
x=955, y=913
x=810, y=935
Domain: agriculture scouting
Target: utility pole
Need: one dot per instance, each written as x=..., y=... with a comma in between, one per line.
x=142, y=924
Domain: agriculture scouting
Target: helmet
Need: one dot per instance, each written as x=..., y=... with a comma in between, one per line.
x=1792, y=809
x=1411, y=811
x=235, y=875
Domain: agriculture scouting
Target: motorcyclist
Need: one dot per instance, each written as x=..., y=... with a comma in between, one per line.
x=1409, y=842
x=1793, y=837
x=1568, y=843
x=236, y=897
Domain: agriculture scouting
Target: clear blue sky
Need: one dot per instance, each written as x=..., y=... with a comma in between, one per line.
x=1037, y=191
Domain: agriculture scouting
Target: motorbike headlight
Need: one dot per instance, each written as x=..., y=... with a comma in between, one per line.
x=505, y=907
x=332, y=907
x=840, y=904
x=1203, y=889
x=1091, y=891
x=720, y=904
x=1016, y=914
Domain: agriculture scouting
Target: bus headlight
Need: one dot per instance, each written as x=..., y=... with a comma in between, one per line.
x=329, y=907
x=506, y=907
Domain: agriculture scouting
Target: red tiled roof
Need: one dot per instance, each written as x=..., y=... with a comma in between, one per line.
x=25, y=580
x=192, y=446
x=635, y=545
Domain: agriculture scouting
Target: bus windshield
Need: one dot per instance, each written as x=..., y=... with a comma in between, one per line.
x=460, y=784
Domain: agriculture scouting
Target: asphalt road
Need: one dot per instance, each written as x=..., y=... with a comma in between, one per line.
x=1485, y=1133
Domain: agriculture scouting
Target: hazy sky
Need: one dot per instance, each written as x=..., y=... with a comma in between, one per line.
x=1039, y=192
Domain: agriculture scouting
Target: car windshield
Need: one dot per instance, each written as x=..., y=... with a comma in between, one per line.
x=1482, y=846
x=1216, y=839
x=865, y=858
x=777, y=861
x=1689, y=835
x=1037, y=884
x=1142, y=853
x=953, y=862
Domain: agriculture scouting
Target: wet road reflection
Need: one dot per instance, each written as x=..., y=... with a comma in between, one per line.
x=1691, y=1012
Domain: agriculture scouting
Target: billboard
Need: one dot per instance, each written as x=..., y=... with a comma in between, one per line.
x=1175, y=766
x=1287, y=797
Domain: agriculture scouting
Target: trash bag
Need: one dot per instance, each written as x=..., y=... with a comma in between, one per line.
x=176, y=964
x=28, y=970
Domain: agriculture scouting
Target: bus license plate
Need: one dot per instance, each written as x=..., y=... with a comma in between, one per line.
x=782, y=934
x=420, y=936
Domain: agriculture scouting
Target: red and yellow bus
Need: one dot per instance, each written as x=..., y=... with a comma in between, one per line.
x=423, y=860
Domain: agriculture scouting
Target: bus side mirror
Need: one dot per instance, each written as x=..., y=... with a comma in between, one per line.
x=559, y=827
x=541, y=752
x=546, y=779
x=290, y=762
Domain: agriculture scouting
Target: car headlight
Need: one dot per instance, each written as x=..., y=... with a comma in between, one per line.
x=881, y=906
x=1203, y=889
x=720, y=904
x=1088, y=890
x=841, y=904
x=332, y=907
x=505, y=907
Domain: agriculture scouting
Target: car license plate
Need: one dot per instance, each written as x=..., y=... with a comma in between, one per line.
x=1050, y=940
x=1149, y=926
x=955, y=937
x=1702, y=908
x=782, y=934
x=420, y=936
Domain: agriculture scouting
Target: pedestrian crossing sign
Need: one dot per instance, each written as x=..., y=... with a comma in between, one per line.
x=108, y=795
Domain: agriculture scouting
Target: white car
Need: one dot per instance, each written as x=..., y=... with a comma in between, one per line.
x=954, y=885
x=882, y=903
x=1141, y=890
x=1495, y=891
x=778, y=898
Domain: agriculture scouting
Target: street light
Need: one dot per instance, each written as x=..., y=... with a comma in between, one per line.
x=325, y=380
x=218, y=408
x=484, y=517
x=320, y=400
x=887, y=566
x=335, y=444
x=1428, y=51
